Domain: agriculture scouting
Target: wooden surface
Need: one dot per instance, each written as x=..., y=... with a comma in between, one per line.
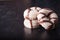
x=11, y=22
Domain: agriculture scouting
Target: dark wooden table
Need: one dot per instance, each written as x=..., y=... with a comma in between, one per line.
x=11, y=22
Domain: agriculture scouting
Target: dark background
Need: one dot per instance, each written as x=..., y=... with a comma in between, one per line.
x=11, y=20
